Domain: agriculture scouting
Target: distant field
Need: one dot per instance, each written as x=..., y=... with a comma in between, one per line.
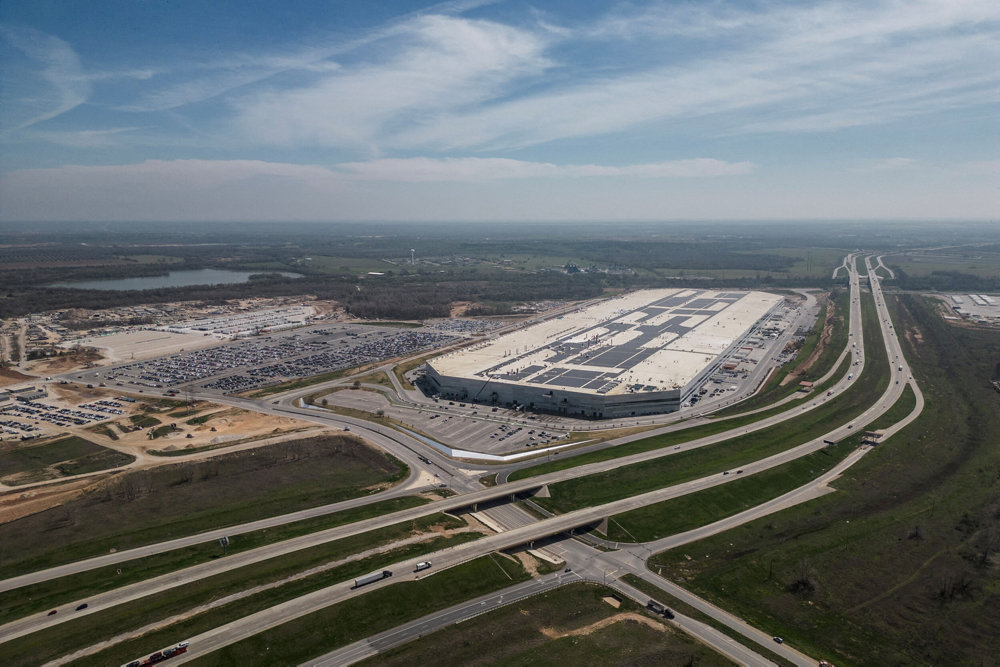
x=982, y=264
x=22, y=464
x=327, y=264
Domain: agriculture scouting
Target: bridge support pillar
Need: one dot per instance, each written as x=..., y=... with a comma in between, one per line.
x=603, y=525
x=543, y=492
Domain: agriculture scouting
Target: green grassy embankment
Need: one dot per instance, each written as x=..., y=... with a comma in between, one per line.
x=774, y=390
x=22, y=464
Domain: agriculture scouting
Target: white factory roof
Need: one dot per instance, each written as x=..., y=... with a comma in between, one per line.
x=660, y=339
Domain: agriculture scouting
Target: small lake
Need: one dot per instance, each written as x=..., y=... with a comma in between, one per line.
x=172, y=279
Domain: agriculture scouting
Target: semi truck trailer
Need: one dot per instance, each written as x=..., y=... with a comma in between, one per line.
x=372, y=578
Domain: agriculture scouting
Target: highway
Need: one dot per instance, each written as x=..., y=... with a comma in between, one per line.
x=509, y=538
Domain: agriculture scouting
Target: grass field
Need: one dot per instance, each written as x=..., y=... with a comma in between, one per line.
x=20, y=464
x=103, y=429
x=405, y=367
x=292, y=575
x=26, y=600
x=638, y=478
x=144, y=421
x=300, y=383
x=381, y=609
x=171, y=501
x=556, y=628
x=378, y=377
x=900, y=566
x=967, y=260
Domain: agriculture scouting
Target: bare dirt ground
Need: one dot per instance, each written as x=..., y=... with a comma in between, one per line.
x=15, y=504
x=223, y=425
x=458, y=308
x=528, y=562
x=603, y=623
x=147, y=343
x=8, y=376
x=67, y=364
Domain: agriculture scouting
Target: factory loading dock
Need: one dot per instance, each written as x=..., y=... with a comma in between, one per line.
x=640, y=353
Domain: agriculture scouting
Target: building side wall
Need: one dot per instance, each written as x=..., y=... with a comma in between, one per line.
x=558, y=401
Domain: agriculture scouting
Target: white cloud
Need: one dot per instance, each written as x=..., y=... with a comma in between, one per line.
x=437, y=63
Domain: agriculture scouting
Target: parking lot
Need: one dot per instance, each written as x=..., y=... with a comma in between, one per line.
x=478, y=428
x=24, y=419
x=252, y=363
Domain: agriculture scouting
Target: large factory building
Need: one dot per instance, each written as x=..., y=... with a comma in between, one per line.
x=640, y=353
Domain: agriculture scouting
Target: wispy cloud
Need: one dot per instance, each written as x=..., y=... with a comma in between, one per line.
x=437, y=63
x=787, y=69
x=47, y=82
x=204, y=79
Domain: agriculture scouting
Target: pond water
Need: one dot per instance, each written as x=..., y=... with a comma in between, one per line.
x=172, y=279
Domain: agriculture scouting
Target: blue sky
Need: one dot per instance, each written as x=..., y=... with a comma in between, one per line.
x=499, y=111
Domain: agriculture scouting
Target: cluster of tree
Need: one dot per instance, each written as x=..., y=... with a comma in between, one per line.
x=947, y=281
x=385, y=297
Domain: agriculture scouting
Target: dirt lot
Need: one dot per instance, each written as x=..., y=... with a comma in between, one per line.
x=18, y=504
x=67, y=363
x=8, y=376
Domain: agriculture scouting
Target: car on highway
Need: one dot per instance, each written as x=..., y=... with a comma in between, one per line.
x=82, y=606
x=52, y=613
x=778, y=640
